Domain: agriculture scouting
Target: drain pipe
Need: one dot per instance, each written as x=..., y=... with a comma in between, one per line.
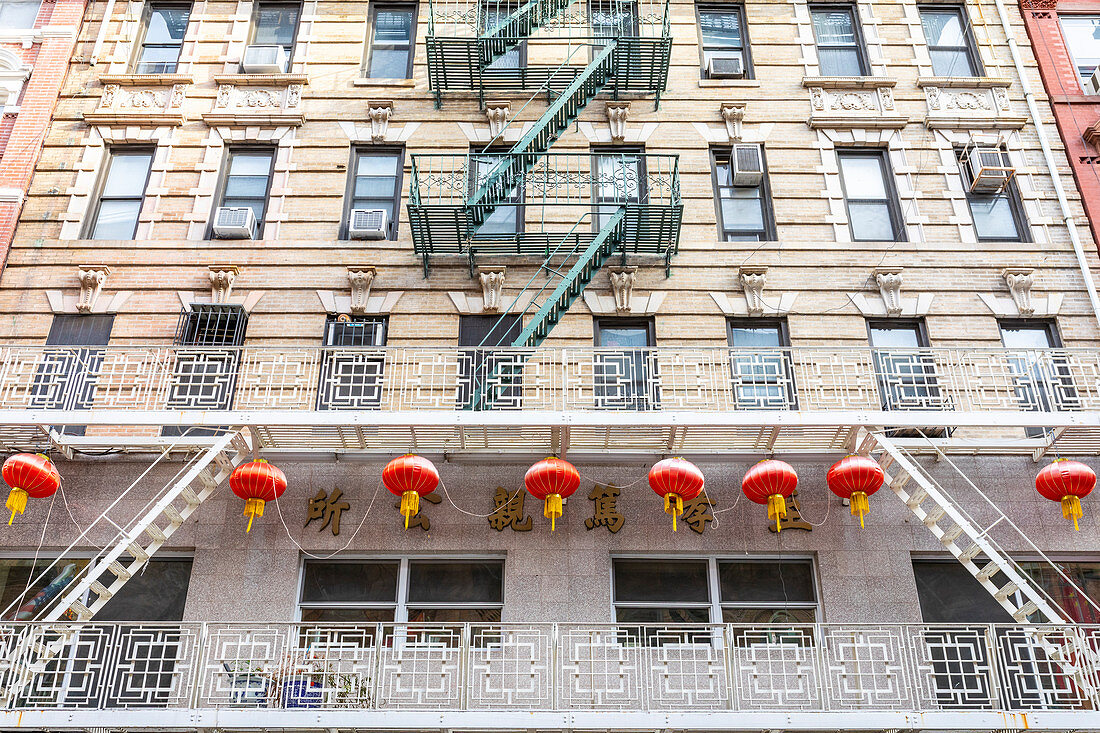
x=1048, y=156
x=102, y=32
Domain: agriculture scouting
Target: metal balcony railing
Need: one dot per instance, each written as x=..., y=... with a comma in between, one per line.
x=550, y=667
x=549, y=379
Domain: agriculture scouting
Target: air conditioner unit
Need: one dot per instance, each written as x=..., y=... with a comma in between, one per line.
x=747, y=164
x=368, y=224
x=990, y=170
x=726, y=66
x=264, y=60
x=1092, y=86
x=235, y=223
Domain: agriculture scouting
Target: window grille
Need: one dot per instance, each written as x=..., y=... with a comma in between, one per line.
x=204, y=378
x=66, y=378
x=211, y=324
x=352, y=364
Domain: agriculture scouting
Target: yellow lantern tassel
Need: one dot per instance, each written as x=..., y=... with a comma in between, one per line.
x=859, y=504
x=674, y=505
x=410, y=505
x=253, y=508
x=777, y=509
x=551, y=509
x=17, y=503
x=1071, y=509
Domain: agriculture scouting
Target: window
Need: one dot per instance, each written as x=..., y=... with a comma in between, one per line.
x=873, y=213
x=762, y=374
x=393, y=38
x=121, y=194
x=165, y=27
x=723, y=31
x=905, y=367
x=996, y=216
x=17, y=14
x=620, y=178
x=504, y=220
x=486, y=378
x=276, y=24
x=493, y=15
x=419, y=591
x=625, y=367
x=376, y=184
x=1082, y=36
x=612, y=19
x=247, y=181
x=1041, y=376
x=749, y=591
x=949, y=594
x=204, y=377
x=352, y=363
x=66, y=377
x=839, y=42
x=744, y=212
x=950, y=42
x=1086, y=575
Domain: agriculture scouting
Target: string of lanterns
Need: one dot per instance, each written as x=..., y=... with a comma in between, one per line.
x=552, y=480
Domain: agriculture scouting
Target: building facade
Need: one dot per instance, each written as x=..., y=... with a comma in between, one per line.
x=36, y=46
x=327, y=234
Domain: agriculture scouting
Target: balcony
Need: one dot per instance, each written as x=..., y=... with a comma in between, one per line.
x=673, y=398
x=516, y=676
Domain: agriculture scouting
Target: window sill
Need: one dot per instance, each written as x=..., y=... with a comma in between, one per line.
x=719, y=83
x=247, y=80
x=148, y=80
x=365, y=81
x=849, y=82
x=966, y=82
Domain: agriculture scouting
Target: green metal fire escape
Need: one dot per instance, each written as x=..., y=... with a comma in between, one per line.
x=622, y=206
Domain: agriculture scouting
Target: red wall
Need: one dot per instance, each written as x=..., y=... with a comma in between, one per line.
x=21, y=134
x=1074, y=111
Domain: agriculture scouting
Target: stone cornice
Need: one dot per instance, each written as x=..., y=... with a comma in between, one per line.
x=147, y=80
x=849, y=82
x=971, y=82
x=255, y=80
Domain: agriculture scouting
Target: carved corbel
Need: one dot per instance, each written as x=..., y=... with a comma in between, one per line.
x=221, y=282
x=1019, y=281
x=92, y=278
x=360, y=278
x=888, y=280
x=622, y=287
x=492, y=285
x=733, y=114
x=617, y=112
x=379, y=112
x=497, y=112
x=753, y=280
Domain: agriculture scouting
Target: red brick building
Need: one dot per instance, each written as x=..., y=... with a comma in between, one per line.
x=36, y=43
x=1065, y=37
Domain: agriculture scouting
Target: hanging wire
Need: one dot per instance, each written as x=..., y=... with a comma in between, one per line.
x=304, y=551
x=473, y=514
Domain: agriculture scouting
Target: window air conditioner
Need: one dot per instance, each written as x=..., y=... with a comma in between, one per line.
x=264, y=60
x=235, y=223
x=726, y=66
x=990, y=170
x=368, y=224
x=747, y=164
x=1092, y=86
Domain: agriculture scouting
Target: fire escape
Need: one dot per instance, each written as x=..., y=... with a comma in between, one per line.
x=592, y=207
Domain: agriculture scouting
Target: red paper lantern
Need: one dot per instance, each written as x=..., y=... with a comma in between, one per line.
x=29, y=475
x=855, y=478
x=677, y=481
x=257, y=482
x=1063, y=481
x=551, y=480
x=771, y=482
x=410, y=477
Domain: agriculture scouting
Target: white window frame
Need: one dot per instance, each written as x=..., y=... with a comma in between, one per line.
x=400, y=604
x=715, y=604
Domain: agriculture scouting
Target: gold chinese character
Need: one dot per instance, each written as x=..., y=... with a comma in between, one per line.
x=605, y=513
x=327, y=508
x=420, y=519
x=508, y=511
x=697, y=513
x=794, y=519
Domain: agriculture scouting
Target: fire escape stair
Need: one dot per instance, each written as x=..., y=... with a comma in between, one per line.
x=128, y=556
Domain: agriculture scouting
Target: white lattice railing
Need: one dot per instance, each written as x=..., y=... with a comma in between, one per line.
x=548, y=667
x=664, y=378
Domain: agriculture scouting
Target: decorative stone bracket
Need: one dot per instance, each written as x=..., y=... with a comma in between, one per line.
x=497, y=111
x=1019, y=283
x=221, y=282
x=139, y=106
x=92, y=279
x=1020, y=302
x=492, y=285
x=733, y=114
x=890, y=302
x=379, y=112
x=622, y=287
x=888, y=280
x=753, y=279
x=617, y=113
x=360, y=279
